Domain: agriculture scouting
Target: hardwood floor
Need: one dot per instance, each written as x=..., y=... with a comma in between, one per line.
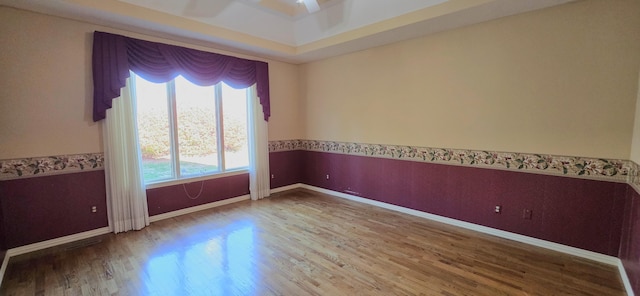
x=305, y=243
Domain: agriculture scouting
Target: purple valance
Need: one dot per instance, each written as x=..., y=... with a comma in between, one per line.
x=114, y=55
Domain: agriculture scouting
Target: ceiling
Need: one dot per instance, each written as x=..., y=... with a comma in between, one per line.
x=282, y=29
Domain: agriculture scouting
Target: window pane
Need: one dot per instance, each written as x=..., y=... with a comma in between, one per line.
x=196, y=109
x=234, y=109
x=153, y=129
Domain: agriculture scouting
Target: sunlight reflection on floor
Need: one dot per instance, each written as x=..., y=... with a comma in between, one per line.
x=213, y=262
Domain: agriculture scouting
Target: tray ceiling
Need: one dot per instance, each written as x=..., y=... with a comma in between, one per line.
x=283, y=29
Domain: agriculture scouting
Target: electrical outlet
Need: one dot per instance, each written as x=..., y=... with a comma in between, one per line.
x=273, y=176
x=327, y=176
x=498, y=209
x=94, y=209
x=527, y=214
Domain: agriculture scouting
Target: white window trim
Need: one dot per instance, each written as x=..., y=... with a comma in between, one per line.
x=166, y=183
x=178, y=179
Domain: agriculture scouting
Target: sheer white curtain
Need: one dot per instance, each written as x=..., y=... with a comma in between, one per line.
x=259, y=182
x=126, y=194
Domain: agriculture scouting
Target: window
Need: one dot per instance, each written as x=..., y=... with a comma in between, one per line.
x=186, y=130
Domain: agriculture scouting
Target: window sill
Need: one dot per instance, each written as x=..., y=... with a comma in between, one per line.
x=195, y=179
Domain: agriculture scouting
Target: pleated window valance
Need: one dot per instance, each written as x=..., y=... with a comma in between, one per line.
x=114, y=55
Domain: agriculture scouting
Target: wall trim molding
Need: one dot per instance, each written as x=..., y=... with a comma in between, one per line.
x=606, y=259
x=57, y=241
x=285, y=188
x=471, y=226
x=3, y=267
x=625, y=279
x=613, y=170
x=475, y=227
x=105, y=230
x=198, y=208
x=48, y=244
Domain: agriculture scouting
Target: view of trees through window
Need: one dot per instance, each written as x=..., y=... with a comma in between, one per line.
x=182, y=125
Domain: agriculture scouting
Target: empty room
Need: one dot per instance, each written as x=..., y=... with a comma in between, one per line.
x=320, y=147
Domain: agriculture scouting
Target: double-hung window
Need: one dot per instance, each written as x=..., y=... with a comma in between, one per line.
x=188, y=131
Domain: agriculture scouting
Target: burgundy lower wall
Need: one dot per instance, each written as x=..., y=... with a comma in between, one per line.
x=43, y=208
x=172, y=198
x=630, y=243
x=581, y=213
x=286, y=167
x=3, y=244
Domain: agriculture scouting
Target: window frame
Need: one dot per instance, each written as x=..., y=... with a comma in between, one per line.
x=171, y=101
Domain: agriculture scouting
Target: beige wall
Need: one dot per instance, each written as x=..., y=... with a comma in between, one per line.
x=561, y=80
x=285, y=122
x=635, y=142
x=46, y=87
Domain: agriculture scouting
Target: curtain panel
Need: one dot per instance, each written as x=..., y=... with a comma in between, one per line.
x=127, y=207
x=114, y=55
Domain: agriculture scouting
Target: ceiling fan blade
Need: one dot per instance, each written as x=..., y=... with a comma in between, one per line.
x=312, y=5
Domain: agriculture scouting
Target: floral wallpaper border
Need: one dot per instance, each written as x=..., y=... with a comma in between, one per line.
x=572, y=166
x=634, y=176
x=49, y=165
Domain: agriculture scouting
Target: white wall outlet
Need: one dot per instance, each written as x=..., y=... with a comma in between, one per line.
x=327, y=177
x=94, y=209
x=498, y=209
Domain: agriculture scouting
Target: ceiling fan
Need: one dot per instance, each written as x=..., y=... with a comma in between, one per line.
x=311, y=5
x=210, y=8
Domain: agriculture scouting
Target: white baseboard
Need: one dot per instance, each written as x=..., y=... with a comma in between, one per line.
x=57, y=241
x=479, y=228
x=47, y=244
x=285, y=188
x=625, y=279
x=104, y=230
x=3, y=268
x=100, y=231
x=483, y=229
x=199, y=208
x=606, y=259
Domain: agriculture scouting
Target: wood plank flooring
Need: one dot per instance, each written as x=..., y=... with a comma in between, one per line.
x=305, y=243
